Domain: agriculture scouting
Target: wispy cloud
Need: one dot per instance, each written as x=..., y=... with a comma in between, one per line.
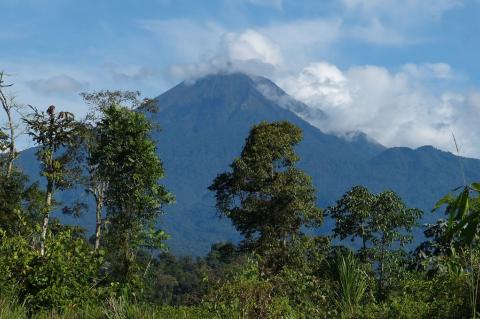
x=59, y=84
x=190, y=40
x=278, y=4
x=393, y=22
x=401, y=11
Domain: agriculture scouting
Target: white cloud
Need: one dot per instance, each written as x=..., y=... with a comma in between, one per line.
x=395, y=108
x=410, y=106
x=190, y=40
x=319, y=84
x=429, y=70
x=397, y=10
x=401, y=107
x=248, y=51
x=262, y=51
x=251, y=45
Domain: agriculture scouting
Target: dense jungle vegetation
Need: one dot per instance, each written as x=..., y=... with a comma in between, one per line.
x=281, y=268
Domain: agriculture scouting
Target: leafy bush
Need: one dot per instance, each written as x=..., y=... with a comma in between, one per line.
x=66, y=274
x=309, y=295
x=444, y=296
x=248, y=295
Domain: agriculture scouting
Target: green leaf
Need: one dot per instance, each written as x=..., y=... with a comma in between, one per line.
x=476, y=186
x=463, y=204
x=447, y=199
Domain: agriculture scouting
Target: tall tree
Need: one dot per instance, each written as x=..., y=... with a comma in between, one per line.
x=51, y=131
x=126, y=159
x=352, y=216
x=18, y=202
x=94, y=184
x=380, y=220
x=268, y=199
x=7, y=140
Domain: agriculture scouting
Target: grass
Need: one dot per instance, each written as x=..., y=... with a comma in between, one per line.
x=112, y=309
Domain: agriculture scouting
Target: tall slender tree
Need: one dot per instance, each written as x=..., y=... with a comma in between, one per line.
x=126, y=160
x=18, y=202
x=51, y=131
x=7, y=140
x=87, y=143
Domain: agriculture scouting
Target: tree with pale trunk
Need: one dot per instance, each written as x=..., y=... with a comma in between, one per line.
x=87, y=143
x=125, y=160
x=52, y=132
x=7, y=139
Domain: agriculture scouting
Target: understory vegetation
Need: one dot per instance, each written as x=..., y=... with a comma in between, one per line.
x=281, y=269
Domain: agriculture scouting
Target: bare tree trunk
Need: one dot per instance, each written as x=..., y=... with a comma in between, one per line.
x=48, y=204
x=7, y=107
x=99, y=221
x=12, y=150
x=382, y=268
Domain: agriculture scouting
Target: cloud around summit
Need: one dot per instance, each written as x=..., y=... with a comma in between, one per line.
x=411, y=104
x=403, y=71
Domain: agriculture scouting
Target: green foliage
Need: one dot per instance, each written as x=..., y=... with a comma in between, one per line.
x=352, y=284
x=380, y=220
x=442, y=296
x=352, y=215
x=248, y=295
x=126, y=160
x=4, y=143
x=52, y=131
x=267, y=198
x=462, y=233
x=16, y=256
x=20, y=205
x=309, y=295
x=463, y=214
x=114, y=308
x=178, y=281
x=185, y=280
x=66, y=274
x=9, y=310
x=278, y=271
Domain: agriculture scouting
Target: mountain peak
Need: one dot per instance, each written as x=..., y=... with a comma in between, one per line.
x=228, y=90
x=236, y=90
x=221, y=76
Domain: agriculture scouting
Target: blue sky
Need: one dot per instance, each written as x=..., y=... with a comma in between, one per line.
x=405, y=72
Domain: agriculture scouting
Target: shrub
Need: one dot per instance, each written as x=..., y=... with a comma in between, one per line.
x=67, y=274
x=248, y=295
